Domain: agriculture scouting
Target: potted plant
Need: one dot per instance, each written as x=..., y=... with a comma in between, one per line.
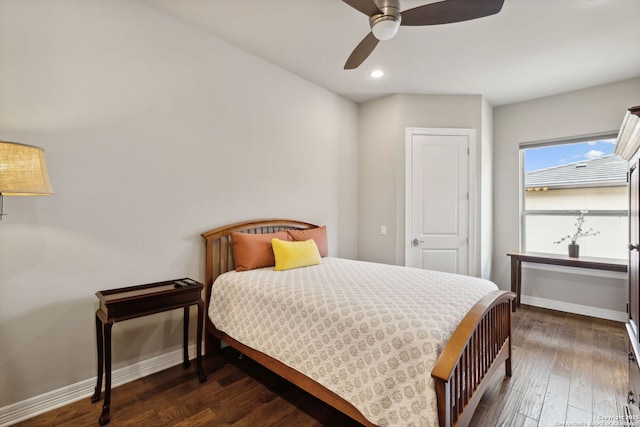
x=574, y=248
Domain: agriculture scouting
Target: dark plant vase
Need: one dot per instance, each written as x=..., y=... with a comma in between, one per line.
x=574, y=250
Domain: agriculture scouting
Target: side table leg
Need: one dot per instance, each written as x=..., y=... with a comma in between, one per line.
x=519, y=282
x=185, y=338
x=100, y=346
x=514, y=282
x=106, y=407
x=201, y=375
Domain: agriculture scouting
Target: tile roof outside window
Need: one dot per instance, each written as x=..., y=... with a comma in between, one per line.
x=599, y=172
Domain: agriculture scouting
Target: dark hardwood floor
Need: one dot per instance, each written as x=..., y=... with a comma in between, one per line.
x=566, y=368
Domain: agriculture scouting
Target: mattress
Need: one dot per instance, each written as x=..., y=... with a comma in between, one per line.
x=369, y=332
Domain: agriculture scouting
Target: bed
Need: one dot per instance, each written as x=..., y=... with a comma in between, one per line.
x=462, y=350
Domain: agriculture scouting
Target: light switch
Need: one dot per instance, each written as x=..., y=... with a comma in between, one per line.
x=383, y=230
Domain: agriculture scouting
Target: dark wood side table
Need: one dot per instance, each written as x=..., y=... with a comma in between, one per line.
x=136, y=301
x=517, y=258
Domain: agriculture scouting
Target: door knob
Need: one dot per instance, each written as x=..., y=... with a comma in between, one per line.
x=416, y=242
x=633, y=247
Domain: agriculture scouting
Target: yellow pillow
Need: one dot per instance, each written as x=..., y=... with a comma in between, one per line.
x=290, y=255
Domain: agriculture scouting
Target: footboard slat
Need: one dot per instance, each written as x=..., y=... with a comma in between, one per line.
x=475, y=351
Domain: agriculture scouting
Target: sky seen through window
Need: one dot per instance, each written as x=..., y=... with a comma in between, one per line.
x=558, y=155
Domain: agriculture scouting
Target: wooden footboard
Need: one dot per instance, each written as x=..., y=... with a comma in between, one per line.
x=475, y=352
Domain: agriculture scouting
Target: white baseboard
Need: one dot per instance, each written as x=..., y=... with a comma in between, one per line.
x=46, y=402
x=601, y=313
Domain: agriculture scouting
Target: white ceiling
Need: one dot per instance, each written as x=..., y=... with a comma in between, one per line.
x=531, y=49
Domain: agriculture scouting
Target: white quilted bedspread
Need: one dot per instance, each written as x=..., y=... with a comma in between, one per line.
x=369, y=332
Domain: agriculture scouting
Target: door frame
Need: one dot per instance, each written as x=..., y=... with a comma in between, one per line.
x=473, y=261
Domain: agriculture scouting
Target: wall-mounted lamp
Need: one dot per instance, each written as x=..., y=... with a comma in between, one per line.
x=23, y=171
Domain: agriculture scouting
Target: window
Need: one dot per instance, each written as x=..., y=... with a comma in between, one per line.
x=560, y=181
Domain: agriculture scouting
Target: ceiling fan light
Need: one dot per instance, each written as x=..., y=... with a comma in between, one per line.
x=385, y=29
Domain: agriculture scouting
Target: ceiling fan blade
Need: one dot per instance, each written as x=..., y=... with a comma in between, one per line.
x=446, y=12
x=368, y=7
x=361, y=52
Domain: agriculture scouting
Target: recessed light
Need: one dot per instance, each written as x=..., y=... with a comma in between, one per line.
x=376, y=74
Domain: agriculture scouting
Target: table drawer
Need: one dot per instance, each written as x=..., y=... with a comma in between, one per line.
x=129, y=309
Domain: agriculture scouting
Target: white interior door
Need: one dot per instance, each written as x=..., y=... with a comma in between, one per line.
x=439, y=204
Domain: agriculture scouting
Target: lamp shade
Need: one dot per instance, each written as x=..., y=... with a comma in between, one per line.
x=23, y=171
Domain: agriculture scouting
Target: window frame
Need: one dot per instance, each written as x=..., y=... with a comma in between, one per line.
x=524, y=213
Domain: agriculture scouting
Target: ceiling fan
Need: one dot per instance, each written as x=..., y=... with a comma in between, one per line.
x=385, y=18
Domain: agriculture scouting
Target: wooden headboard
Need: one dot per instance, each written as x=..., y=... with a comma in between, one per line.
x=219, y=250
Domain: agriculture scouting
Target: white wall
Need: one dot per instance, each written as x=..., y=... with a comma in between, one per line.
x=154, y=132
x=380, y=176
x=381, y=182
x=590, y=111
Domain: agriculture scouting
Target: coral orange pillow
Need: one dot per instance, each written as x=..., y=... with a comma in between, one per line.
x=254, y=250
x=318, y=234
